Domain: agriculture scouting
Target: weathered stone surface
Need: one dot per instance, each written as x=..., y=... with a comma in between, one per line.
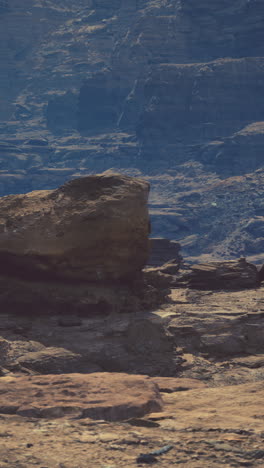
x=158, y=279
x=137, y=342
x=94, y=228
x=56, y=361
x=222, y=344
x=4, y=348
x=224, y=425
x=112, y=397
x=230, y=156
x=100, y=102
x=170, y=268
x=215, y=408
x=224, y=275
x=170, y=89
x=203, y=105
x=52, y=296
x=217, y=324
x=261, y=273
x=217, y=391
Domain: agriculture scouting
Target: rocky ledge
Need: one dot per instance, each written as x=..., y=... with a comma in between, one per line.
x=122, y=367
x=119, y=396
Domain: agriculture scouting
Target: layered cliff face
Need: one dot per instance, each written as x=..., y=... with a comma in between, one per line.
x=166, y=89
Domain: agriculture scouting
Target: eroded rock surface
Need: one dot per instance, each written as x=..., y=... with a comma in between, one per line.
x=216, y=324
x=204, y=350
x=111, y=397
x=206, y=427
x=133, y=342
x=224, y=275
x=165, y=89
x=94, y=228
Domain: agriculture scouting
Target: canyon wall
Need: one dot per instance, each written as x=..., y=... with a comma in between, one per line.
x=169, y=90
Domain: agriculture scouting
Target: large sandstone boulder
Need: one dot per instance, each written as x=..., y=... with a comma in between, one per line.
x=93, y=228
x=106, y=396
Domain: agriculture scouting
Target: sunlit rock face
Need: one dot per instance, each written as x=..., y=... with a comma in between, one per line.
x=94, y=228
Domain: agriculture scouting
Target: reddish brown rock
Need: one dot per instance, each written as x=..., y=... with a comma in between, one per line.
x=56, y=361
x=94, y=228
x=108, y=396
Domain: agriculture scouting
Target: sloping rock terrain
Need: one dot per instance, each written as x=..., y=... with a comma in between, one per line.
x=165, y=89
x=210, y=413
x=72, y=259
x=122, y=369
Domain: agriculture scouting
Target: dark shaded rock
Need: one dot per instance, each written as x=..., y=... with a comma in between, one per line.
x=230, y=30
x=57, y=297
x=170, y=268
x=158, y=279
x=163, y=250
x=99, y=102
x=261, y=273
x=37, y=142
x=4, y=351
x=56, y=361
x=237, y=274
x=148, y=459
x=4, y=6
x=222, y=344
x=61, y=112
x=237, y=154
x=137, y=342
x=204, y=109
x=70, y=321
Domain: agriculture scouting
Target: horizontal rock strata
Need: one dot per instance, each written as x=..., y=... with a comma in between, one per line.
x=224, y=275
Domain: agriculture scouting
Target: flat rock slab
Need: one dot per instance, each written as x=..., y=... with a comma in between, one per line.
x=107, y=396
x=226, y=408
x=235, y=274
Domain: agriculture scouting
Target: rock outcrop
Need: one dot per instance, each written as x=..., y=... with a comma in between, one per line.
x=224, y=275
x=205, y=427
x=53, y=340
x=203, y=110
x=54, y=361
x=94, y=228
x=112, y=397
x=166, y=89
x=219, y=324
